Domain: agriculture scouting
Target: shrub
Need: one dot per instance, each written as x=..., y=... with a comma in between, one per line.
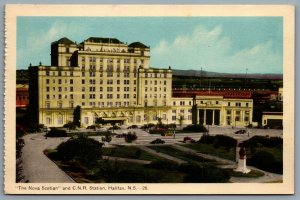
x=162, y=132
x=195, y=128
x=266, y=161
x=157, y=141
x=107, y=138
x=70, y=126
x=264, y=141
x=54, y=132
x=130, y=137
x=218, y=140
x=83, y=149
x=146, y=126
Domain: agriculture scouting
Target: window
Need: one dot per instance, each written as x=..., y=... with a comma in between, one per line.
x=217, y=102
x=83, y=89
x=71, y=89
x=174, y=118
x=92, y=89
x=59, y=120
x=228, y=112
x=59, y=105
x=174, y=111
x=228, y=104
x=118, y=82
x=247, y=104
x=101, y=96
x=174, y=103
x=47, y=81
x=48, y=120
x=47, y=96
x=82, y=81
x=47, y=105
x=71, y=81
x=47, y=89
x=47, y=73
x=110, y=81
x=59, y=81
x=71, y=96
x=83, y=96
x=59, y=96
x=238, y=104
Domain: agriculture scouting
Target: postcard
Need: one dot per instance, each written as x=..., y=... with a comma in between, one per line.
x=149, y=99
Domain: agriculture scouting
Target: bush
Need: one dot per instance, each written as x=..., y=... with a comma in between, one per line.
x=266, y=161
x=146, y=126
x=70, y=126
x=83, y=149
x=195, y=128
x=219, y=140
x=130, y=137
x=161, y=132
x=54, y=132
x=157, y=141
x=107, y=138
x=264, y=141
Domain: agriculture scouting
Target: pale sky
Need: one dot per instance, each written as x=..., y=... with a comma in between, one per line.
x=218, y=44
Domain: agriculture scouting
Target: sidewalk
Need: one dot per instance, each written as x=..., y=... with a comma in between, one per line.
x=37, y=168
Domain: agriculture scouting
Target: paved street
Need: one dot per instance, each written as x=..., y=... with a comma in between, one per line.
x=37, y=168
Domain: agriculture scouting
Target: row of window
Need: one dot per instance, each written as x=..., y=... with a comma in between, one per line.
x=108, y=96
x=110, y=60
x=154, y=82
x=60, y=89
x=182, y=103
x=155, y=96
x=155, y=89
x=60, y=81
x=108, y=104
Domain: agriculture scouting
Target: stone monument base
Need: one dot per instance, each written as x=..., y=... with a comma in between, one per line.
x=241, y=167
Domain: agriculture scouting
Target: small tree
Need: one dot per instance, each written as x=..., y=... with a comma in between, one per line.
x=130, y=137
x=159, y=122
x=77, y=116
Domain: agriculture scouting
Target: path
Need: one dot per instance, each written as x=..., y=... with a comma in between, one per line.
x=131, y=160
x=162, y=155
x=37, y=168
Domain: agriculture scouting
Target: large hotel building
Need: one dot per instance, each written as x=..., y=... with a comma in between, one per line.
x=113, y=81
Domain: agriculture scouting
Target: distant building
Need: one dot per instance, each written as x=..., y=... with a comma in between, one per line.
x=272, y=119
x=22, y=96
x=113, y=81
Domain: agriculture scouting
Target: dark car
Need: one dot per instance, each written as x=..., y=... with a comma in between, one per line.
x=240, y=131
x=133, y=127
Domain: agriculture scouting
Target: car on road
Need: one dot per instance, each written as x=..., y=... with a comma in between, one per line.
x=242, y=131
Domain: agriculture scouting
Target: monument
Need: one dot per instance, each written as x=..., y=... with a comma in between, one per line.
x=241, y=161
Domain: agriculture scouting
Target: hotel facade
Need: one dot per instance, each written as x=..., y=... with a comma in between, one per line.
x=113, y=81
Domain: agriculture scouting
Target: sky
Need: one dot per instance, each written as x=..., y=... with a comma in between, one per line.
x=217, y=44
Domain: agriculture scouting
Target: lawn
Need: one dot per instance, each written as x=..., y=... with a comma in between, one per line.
x=129, y=152
x=167, y=149
x=210, y=149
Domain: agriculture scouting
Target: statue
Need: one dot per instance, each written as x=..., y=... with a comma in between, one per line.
x=241, y=162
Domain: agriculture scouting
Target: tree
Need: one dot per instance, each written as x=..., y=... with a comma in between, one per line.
x=77, y=116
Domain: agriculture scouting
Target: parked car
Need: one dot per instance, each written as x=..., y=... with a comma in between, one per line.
x=242, y=131
x=132, y=127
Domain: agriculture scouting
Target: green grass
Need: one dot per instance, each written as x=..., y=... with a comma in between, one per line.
x=210, y=149
x=276, y=152
x=167, y=149
x=129, y=152
x=251, y=174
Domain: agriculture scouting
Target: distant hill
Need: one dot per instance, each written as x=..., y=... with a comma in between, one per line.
x=199, y=73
